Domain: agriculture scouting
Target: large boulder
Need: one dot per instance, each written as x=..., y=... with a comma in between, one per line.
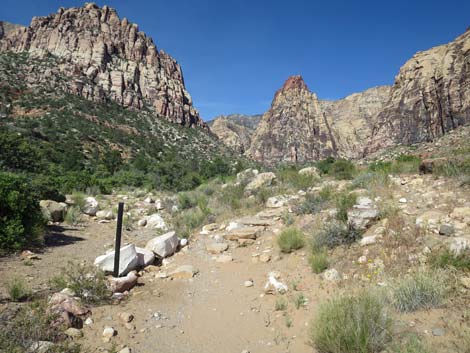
x=146, y=257
x=128, y=260
x=163, y=245
x=91, y=206
x=52, y=210
x=259, y=181
x=363, y=213
x=105, y=214
x=246, y=176
x=310, y=171
x=156, y=221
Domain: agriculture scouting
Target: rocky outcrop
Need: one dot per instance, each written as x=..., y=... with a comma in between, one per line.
x=352, y=119
x=430, y=96
x=235, y=131
x=106, y=58
x=294, y=129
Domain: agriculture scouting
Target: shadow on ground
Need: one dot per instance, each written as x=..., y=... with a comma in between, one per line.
x=56, y=237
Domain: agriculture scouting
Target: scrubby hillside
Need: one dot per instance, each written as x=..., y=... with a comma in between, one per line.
x=69, y=142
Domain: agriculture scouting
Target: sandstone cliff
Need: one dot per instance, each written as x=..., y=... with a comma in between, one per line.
x=430, y=96
x=106, y=58
x=353, y=118
x=294, y=129
x=235, y=130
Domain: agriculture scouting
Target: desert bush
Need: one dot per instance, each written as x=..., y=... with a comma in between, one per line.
x=18, y=290
x=291, y=239
x=402, y=164
x=281, y=304
x=318, y=261
x=369, y=180
x=421, y=290
x=73, y=215
x=290, y=177
x=186, y=222
x=300, y=301
x=324, y=165
x=343, y=202
x=411, y=344
x=314, y=203
x=454, y=167
x=231, y=196
x=21, y=220
x=351, y=324
x=33, y=323
x=334, y=234
x=88, y=283
x=444, y=258
x=342, y=169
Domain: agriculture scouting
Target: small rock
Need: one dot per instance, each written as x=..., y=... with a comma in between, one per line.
x=126, y=317
x=183, y=242
x=265, y=257
x=224, y=259
x=248, y=283
x=108, y=332
x=88, y=321
x=125, y=350
x=362, y=259
x=142, y=222
x=332, y=275
x=122, y=284
x=183, y=272
x=403, y=200
x=216, y=248
x=68, y=291
x=438, y=332
x=91, y=206
x=41, y=347
x=447, y=230
x=73, y=332
x=274, y=286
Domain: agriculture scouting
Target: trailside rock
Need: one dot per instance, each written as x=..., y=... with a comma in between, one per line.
x=183, y=272
x=156, y=221
x=243, y=233
x=363, y=213
x=122, y=284
x=247, y=175
x=216, y=248
x=332, y=275
x=128, y=260
x=277, y=201
x=105, y=214
x=52, y=210
x=459, y=245
x=91, y=206
x=163, y=245
x=146, y=257
x=273, y=285
x=260, y=180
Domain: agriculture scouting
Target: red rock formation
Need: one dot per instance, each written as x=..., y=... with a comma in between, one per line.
x=107, y=58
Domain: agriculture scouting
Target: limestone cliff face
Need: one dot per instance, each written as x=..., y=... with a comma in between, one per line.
x=294, y=129
x=107, y=58
x=430, y=96
x=352, y=119
x=235, y=130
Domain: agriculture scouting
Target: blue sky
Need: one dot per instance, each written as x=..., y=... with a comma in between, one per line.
x=236, y=53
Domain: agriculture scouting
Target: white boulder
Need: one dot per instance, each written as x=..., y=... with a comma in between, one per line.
x=156, y=221
x=163, y=245
x=91, y=206
x=128, y=260
x=146, y=257
x=259, y=181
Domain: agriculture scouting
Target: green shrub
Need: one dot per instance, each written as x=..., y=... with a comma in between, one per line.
x=422, y=290
x=290, y=177
x=454, y=167
x=281, y=304
x=370, y=180
x=300, y=301
x=88, y=283
x=18, y=290
x=351, y=324
x=73, y=215
x=318, y=261
x=343, y=202
x=231, y=196
x=189, y=220
x=444, y=258
x=412, y=344
x=34, y=323
x=324, y=165
x=314, y=203
x=291, y=239
x=342, y=169
x=334, y=234
x=405, y=164
x=21, y=220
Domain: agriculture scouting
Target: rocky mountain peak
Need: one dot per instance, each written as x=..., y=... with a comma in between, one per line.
x=107, y=58
x=294, y=82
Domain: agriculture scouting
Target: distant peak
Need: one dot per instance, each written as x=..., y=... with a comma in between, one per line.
x=294, y=82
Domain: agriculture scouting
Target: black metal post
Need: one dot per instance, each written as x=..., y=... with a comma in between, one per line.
x=117, y=247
